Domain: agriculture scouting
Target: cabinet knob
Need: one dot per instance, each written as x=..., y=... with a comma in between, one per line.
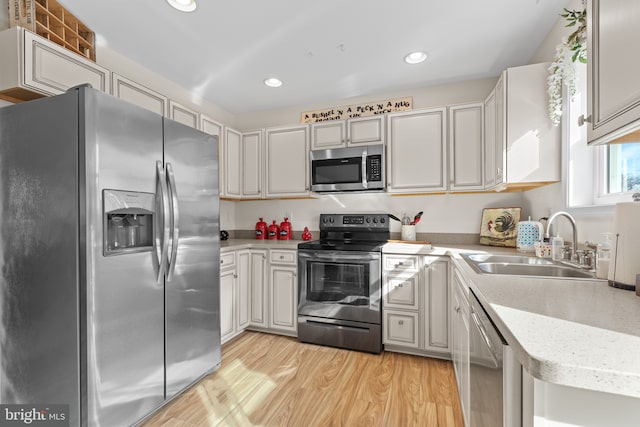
x=221, y=262
x=457, y=309
x=399, y=285
x=235, y=276
x=400, y=322
x=582, y=120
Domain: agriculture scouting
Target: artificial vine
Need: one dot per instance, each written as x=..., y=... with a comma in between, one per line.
x=562, y=71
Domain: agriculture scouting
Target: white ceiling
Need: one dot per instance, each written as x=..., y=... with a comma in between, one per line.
x=322, y=50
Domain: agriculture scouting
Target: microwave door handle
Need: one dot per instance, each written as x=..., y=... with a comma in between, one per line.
x=364, y=170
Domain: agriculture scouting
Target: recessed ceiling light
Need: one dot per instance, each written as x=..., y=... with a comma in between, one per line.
x=273, y=82
x=183, y=5
x=415, y=57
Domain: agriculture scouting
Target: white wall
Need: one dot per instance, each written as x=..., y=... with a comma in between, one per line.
x=447, y=213
x=427, y=97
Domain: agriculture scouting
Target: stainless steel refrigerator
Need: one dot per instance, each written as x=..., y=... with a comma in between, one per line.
x=109, y=257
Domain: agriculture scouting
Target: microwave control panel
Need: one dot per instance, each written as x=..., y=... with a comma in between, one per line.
x=374, y=168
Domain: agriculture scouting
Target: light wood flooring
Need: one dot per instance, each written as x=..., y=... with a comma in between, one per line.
x=271, y=380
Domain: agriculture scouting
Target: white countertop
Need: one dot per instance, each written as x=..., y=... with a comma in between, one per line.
x=574, y=332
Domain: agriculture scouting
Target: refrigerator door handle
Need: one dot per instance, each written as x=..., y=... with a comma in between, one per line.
x=162, y=229
x=175, y=221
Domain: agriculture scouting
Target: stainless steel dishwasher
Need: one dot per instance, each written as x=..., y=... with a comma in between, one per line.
x=495, y=375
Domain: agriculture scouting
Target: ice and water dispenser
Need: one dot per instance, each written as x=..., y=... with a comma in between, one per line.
x=128, y=221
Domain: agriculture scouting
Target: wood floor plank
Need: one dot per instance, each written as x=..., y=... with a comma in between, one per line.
x=271, y=380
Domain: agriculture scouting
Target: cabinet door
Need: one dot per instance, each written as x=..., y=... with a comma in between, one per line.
x=461, y=344
x=52, y=70
x=365, y=130
x=501, y=132
x=232, y=163
x=400, y=328
x=283, y=308
x=326, y=135
x=210, y=126
x=533, y=144
x=466, y=145
x=416, y=153
x=137, y=94
x=243, y=299
x=490, y=141
x=436, y=312
x=258, y=294
x=251, y=168
x=612, y=74
x=227, y=312
x=184, y=115
x=287, y=161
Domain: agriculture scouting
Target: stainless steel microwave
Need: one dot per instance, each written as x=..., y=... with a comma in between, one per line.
x=348, y=169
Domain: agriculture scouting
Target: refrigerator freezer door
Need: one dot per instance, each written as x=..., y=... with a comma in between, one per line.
x=192, y=294
x=125, y=316
x=39, y=271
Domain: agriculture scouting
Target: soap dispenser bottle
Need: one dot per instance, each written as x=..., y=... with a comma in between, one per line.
x=557, y=248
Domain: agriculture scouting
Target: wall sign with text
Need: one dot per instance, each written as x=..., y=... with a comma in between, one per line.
x=358, y=110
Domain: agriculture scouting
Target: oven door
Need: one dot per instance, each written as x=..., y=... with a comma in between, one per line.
x=342, y=285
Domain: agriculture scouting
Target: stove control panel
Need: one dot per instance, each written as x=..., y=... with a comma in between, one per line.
x=354, y=221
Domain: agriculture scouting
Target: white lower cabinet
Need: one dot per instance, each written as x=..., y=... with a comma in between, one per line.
x=228, y=291
x=460, y=316
x=257, y=272
x=283, y=291
x=259, y=291
x=415, y=304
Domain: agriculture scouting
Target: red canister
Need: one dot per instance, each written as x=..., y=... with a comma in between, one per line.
x=261, y=230
x=285, y=229
x=272, y=233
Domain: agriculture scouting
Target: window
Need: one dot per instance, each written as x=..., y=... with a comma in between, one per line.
x=595, y=175
x=623, y=168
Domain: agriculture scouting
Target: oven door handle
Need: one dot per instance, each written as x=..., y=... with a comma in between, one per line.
x=339, y=255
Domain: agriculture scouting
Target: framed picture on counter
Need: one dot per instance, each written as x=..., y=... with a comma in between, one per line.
x=499, y=226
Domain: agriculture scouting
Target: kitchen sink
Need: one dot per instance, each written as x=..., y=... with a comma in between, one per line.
x=522, y=265
x=513, y=259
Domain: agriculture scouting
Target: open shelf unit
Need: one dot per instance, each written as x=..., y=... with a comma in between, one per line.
x=55, y=23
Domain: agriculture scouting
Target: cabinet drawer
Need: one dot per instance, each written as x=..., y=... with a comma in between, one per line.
x=400, y=262
x=401, y=328
x=283, y=257
x=227, y=259
x=402, y=291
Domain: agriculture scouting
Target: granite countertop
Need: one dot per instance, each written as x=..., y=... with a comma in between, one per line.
x=573, y=332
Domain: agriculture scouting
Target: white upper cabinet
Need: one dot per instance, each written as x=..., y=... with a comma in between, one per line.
x=466, y=147
x=252, y=164
x=210, y=126
x=332, y=134
x=494, y=137
x=137, y=94
x=417, y=151
x=287, y=161
x=232, y=157
x=532, y=147
x=348, y=133
x=613, y=86
x=32, y=66
x=365, y=130
x=184, y=115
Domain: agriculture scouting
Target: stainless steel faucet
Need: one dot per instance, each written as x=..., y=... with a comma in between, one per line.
x=573, y=224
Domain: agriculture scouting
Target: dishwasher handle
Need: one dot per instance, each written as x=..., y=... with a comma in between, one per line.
x=483, y=333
